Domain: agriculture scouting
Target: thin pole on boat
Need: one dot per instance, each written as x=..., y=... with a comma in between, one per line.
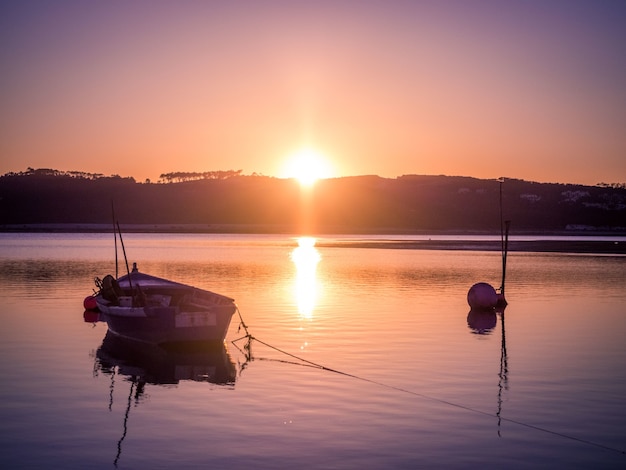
x=130, y=282
x=115, y=239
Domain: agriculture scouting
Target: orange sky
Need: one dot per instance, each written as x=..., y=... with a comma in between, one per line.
x=531, y=90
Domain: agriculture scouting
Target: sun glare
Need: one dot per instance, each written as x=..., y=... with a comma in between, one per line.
x=307, y=166
x=306, y=257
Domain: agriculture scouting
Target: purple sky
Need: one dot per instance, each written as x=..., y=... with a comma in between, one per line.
x=523, y=89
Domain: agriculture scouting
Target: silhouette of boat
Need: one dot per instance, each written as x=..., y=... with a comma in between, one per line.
x=153, y=310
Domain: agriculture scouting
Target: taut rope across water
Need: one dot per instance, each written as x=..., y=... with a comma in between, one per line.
x=498, y=416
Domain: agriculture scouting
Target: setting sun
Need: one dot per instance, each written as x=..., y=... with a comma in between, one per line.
x=307, y=166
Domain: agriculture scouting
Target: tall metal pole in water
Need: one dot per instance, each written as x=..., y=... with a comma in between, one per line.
x=504, y=255
x=504, y=238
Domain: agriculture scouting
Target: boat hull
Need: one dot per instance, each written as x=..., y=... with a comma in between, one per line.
x=159, y=325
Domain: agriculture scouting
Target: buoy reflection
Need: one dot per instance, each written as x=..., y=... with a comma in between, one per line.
x=306, y=257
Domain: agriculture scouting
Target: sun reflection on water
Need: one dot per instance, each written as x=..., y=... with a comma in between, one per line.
x=306, y=257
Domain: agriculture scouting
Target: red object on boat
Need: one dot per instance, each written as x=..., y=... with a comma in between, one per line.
x=90, y=303
x=91, y=317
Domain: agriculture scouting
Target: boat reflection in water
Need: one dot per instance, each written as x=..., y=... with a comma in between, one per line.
x=142, y=364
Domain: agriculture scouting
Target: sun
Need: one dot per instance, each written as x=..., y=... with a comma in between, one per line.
x=307, y=166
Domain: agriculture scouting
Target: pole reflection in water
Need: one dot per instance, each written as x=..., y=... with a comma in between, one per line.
x=140, y=364
x=503, y=383
x=125, y=431
x=306, y=257
x=483, y=323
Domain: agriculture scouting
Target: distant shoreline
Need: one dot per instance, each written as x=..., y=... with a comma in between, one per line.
x=590, y=246
x=528, y=246
x=278, y=229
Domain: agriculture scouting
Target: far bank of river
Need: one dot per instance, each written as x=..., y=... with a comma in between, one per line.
x=617, y=247
x=558, y=242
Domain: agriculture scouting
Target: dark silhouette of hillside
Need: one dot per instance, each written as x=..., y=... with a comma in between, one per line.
x=229, y=201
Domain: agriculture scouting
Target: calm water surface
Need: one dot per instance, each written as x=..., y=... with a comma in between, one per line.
x=409, y=382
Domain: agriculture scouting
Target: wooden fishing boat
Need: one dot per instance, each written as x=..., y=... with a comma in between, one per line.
x=153, y=310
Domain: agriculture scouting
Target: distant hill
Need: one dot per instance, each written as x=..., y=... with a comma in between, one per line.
x=229, y=201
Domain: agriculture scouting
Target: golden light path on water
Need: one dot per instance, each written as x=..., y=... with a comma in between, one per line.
x=306, y=288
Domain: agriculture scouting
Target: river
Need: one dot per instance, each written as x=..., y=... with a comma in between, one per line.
x=364, y=356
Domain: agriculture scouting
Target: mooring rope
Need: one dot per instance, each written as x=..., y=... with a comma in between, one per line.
x=417, y=394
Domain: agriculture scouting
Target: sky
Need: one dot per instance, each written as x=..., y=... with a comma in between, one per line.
x=524, y=89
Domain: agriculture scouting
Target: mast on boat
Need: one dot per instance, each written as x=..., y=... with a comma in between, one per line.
x=114, y=239
x=116, y=230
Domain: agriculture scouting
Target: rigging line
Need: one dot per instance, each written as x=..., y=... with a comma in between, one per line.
x=130, y=282
x=284, y=361
x=439, y=400
x=242, y=324
x=411, y=392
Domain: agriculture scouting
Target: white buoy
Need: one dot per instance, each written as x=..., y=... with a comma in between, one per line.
x=482, y=296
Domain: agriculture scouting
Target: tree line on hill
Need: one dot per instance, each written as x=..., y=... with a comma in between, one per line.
x=172, y=177
x=371, y=204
